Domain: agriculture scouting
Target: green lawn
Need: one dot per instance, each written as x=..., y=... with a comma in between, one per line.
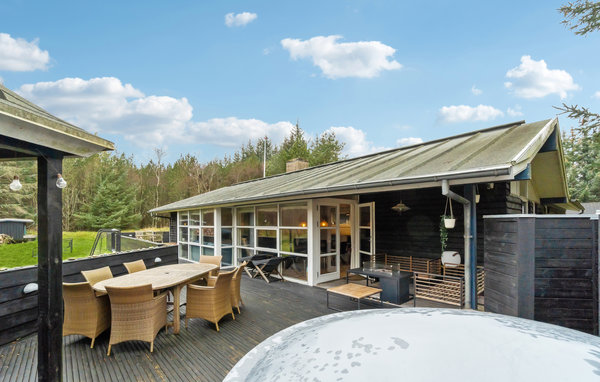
x=18, y=255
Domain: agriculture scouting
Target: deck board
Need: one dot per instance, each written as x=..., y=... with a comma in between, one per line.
x=197, y=353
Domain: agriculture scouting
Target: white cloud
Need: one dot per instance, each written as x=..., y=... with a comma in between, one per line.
x=239, y=19
x=364, y=59
x=106, y=105
x=408, y=141
x=597, y=94
x=232, y=132
x=355, y=140
x=20, y=55
x=476, y=91
x=464, y=113
x=514, y=112
x=533, y=79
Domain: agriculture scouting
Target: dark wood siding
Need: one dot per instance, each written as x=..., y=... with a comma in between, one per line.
x=416, y=232
x=173, y=228
x=564, y=251
x=18, y=312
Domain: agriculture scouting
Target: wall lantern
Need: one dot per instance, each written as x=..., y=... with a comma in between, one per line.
x=303, y=224
x=324, y=223
x=158, y=260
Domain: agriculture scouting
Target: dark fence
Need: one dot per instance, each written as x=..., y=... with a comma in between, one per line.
x=18, y=311
x=543, y=267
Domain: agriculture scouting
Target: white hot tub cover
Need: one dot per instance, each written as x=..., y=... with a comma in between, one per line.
x=422, y=345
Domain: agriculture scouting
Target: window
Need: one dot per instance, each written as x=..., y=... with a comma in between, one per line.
x=245, y=217
x=196, y=233
x=227, y=236
x=293, y=240
x=266, y=238
x=266, y=216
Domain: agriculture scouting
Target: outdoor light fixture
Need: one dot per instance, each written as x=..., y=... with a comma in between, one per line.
x=477, y=195
x=61, y=182
x=15, y=185
x=30, y=288
x=158, y=260
x=324, y=223
x=400, y=207
x=303, y=224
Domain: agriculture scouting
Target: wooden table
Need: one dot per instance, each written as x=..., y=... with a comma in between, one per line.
x=174, y=277
x=351, y=290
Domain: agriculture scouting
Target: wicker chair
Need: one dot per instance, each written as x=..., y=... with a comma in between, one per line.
x=210, y=303
x=97, y=275
x=135, y=266
x=85, y=314
x=136, y=314
x=216, y=260
x=236, y=283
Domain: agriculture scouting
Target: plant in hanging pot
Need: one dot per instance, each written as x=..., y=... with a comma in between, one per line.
x=448, y=220
x=449, y=258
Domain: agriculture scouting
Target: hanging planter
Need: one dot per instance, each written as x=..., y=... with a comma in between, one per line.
x=477, y=195
x=449, y=220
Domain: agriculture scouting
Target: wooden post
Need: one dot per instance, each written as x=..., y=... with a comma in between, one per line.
x=50, y=304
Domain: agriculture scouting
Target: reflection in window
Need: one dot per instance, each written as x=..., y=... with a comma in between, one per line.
x=195, y=218
x=266, y=216
x=183, y=218
x=194, y=235
x=327, y=216
x=365, y=240
x=245, y=216
x=365, y=216
x=183, y=234
x=294, y=215
x=266, y=238
x=295, y=267
x=208, y=236
x=208, y=251
x=183, y=250
x=194, y=253
x=245, y=237
x=328, y=264
x=208, y=217
x=294, y=240
x=328, y=240
x=227, y=254
x=226, y=236
x=226, y=217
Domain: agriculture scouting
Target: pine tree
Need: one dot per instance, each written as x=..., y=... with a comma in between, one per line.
x=114, y=202
x=582, y=160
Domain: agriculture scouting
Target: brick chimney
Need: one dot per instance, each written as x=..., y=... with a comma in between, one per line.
x=295, y=165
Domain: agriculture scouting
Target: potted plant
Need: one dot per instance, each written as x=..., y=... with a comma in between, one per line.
x=448, y=220
x=449, y=258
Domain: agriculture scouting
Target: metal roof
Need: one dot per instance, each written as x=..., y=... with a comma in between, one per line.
x=497, y=153
x=27, y=122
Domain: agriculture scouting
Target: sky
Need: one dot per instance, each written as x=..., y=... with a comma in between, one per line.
x=205, y=77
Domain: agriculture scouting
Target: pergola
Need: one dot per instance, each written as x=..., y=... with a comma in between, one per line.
x=29, y=132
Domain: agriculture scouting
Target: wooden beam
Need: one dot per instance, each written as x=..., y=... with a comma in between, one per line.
x=50, y=308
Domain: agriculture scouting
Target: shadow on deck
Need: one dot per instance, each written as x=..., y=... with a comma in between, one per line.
x=198, y=353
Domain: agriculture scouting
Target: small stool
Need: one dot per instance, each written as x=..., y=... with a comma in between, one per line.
x=356, y=291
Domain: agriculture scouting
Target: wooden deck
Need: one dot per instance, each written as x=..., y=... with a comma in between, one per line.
x=198, y=353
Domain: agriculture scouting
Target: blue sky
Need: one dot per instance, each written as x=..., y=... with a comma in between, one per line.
x=185, y=77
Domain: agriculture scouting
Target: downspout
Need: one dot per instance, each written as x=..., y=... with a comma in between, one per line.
x=467, y=228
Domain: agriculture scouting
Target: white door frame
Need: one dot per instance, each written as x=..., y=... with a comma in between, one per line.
x=316, y=234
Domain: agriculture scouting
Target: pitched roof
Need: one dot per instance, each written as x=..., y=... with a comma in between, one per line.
x=23, y=120
x=498, y=153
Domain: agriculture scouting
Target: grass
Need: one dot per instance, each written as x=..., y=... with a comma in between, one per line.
x=19, y=255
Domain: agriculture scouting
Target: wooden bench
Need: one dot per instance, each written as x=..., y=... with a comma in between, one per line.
x=351, y=290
